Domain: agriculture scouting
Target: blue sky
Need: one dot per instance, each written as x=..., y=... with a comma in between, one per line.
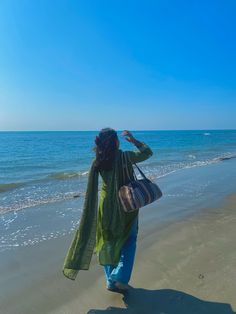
x=84, y=65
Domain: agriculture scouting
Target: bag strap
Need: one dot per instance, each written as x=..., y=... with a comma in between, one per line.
x=142, y=174
x=125, y=168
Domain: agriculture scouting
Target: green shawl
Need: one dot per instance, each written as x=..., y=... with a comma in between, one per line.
x=81, y=249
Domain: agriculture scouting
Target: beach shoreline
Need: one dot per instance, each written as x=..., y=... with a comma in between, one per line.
x=190, y=258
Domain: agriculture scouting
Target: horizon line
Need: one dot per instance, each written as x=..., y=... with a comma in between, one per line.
x=119, y=130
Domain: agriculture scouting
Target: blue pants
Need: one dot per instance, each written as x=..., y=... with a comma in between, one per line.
x=122, y=272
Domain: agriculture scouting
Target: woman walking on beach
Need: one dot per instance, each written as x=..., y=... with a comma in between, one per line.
x=109, y=231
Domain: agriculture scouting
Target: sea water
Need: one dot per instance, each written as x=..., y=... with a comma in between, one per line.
x=43, y=175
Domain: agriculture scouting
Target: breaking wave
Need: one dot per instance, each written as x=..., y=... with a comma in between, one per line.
x=9, y=186
x=67, y=175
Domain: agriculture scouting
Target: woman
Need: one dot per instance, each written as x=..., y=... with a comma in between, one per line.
x=109, y=231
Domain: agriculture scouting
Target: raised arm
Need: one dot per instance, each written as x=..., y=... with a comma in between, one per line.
x=143, y=152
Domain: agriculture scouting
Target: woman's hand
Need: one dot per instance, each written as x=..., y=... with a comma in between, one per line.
x=128, y=136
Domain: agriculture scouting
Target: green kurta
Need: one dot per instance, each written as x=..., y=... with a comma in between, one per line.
x=103, y=231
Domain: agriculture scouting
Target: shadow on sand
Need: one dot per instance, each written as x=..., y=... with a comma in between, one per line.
x=142, y=301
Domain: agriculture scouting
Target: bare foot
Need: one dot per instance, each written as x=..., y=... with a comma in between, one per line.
x=122, y=286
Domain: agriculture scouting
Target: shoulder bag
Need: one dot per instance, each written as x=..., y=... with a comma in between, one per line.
x=139, y=192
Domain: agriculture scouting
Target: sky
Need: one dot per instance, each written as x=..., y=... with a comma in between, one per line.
x=137, y=65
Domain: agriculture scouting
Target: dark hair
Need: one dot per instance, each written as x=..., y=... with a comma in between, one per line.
x=106, y=148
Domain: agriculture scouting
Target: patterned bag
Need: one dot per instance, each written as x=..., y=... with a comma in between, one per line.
x=137, y=193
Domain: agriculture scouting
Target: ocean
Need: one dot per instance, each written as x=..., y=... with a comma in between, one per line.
x=43, y=175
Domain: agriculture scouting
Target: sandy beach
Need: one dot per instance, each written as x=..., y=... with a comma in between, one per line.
x=188, y=266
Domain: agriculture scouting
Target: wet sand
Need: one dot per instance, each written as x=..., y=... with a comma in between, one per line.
x=187, y=266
